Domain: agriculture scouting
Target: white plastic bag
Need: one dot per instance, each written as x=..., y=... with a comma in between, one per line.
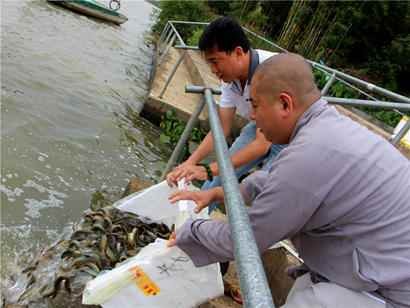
x=158, y=276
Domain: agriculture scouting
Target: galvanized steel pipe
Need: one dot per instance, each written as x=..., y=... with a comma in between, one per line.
x=367, y=103
x=328, y=84
x=200, y=90
x=168, y=35
x=401, y=133
x=369, y=86
x=161, y=38
x=186, y=47
x=252, y=276
x=181, y=41
x=174, y=69
x=167, y=49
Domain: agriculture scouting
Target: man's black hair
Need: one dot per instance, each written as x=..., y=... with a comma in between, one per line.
x=225, y=34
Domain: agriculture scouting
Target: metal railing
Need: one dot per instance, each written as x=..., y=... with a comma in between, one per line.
x=398, y=103
x=253, y=283
x=254, y=287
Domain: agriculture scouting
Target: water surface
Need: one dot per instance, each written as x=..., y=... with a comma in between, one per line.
x=70, y=91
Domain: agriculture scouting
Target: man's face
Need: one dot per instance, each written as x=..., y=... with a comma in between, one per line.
x=226, y=66
x=272, y=116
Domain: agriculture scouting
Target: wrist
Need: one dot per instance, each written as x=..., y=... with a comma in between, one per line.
x=214, y=168
x=191, y=160
x=208, y=171
x=217, y=194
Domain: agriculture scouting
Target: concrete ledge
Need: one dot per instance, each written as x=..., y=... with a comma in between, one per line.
x=155, y=108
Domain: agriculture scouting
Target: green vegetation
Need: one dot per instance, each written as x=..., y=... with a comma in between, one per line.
x=172, y=129
x=182, y=10
x=340, y=90
x=193, y=40
x=367, y=39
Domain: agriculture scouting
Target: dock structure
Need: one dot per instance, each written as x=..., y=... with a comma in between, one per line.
x=191, y=70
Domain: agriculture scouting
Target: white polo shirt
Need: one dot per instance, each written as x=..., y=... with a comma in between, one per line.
x=234, y=96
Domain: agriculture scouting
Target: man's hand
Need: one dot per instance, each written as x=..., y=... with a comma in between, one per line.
x=189, y=172
x=201, y=198
x=172, y=239
x=174, y=175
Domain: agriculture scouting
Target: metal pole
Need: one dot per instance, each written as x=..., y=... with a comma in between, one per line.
x=265, y=40
x=366, y=103
x=172, y=74
x=252, y=277
x=186, y=47
x=401, y=133
x=162, y=37
x=369, y=86
x=328, y=84
x=189, y=22
x=166, y=50
x=167, y=38
x=200, y=90
x=247, y=30
x=183, y=139
x=181, y=41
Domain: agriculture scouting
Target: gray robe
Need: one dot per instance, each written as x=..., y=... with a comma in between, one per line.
x=341, y=193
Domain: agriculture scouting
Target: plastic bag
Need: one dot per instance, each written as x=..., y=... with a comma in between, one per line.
x=158, y=276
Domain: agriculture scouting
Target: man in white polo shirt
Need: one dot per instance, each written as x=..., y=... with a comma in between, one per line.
x=228, y=53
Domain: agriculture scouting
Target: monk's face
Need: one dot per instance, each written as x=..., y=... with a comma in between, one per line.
x=274, y=115
x=227, y=66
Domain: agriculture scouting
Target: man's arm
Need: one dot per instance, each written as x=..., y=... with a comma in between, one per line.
x=279, y=211
x=188, y=168
x=254, y=150
x=226, y=115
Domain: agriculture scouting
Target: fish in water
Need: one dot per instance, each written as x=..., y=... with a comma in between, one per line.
x=103, y=238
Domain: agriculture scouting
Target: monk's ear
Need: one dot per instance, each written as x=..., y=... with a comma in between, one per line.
x=287, y=104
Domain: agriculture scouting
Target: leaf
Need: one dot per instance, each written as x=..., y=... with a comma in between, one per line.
x=164, y=139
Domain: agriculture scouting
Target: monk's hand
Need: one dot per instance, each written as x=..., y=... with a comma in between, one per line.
x=201, y=198
x=172, y=241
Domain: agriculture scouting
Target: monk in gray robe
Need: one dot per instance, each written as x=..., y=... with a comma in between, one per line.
x=338, y=191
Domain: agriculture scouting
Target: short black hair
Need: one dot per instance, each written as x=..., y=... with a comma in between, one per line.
x=224, y=33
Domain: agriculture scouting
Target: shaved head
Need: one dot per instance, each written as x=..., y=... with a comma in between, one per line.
x=282, y=89
x=286, y=72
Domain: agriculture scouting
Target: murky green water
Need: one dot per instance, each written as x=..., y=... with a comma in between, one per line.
x=70, y=90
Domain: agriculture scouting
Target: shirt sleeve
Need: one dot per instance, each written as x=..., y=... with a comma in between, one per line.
x=279, y=210
x=228, y=97
x=252, y=185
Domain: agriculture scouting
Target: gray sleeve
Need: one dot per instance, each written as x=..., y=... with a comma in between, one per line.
x=278, y=211
x=252, y=185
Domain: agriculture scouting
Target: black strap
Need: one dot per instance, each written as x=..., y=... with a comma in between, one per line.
x=208, y=171
x=254, y=62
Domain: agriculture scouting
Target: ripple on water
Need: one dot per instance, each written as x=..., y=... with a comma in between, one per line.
x=70, y=79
